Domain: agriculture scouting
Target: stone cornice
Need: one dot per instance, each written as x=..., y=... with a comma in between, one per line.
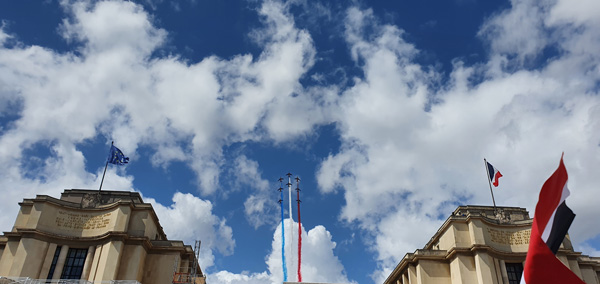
x=149, y=245
x=77, y=207
x=447, y=255
x=466, y=218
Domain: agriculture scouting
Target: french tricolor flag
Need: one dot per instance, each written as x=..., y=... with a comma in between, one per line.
x=493, y=174
x=551, y=222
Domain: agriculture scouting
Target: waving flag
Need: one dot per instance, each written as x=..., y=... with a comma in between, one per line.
x=117, y=157
x=494, y=174
x=551, y=222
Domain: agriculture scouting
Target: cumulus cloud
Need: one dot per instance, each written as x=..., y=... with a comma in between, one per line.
x=259, y=207
x=519, y=31
x=112, y=87
x=190, y=218
x=319, y=263
x=412, y=144
x=197, y=108
x=226, y=277
x=62, y=169
x=406, y=163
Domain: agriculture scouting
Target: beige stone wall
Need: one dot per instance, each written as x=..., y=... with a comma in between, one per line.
x=486, y=268
x=47, y=261
x=159, y=268
x=456, y=236
x=433, y=272
x=76, y=222
x=142, y=224
x=109, y=258
x=120, y=239
x=447, y=240
x=28, y=262
x=508, y=239
x=23, y=216
x=574, y=266
x=462, y=269
x=475, y=244
x=589, y=275
x=502, y=238
x=461, y=231
x=476, y=232
x=132, y=263
x=8, y=257
x=412, y=275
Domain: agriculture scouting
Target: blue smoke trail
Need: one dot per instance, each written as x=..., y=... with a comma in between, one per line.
x=283, y=241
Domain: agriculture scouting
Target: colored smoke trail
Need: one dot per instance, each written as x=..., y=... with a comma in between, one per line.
x=289, y=184
x=299, y=234
x=282, y=237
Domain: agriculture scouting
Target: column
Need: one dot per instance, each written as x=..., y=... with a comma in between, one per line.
x=484, y=264
x=61, y=262
x=89, y=259
x=412, y=275
x=404, y=278
x=108, y=262
x=94, y=264
x=47, y=262
x=504, y=273
x=462, y=269
x=8, y=257
x=132, y=263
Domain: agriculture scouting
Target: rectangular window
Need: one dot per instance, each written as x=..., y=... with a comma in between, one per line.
x=514, y=271
x=74, y=264
x=54, y=260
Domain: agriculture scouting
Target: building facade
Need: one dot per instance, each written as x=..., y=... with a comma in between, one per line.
x=481, y=244
x=94, y=237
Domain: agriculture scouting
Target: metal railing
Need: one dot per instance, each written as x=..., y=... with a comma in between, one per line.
x=27, y=280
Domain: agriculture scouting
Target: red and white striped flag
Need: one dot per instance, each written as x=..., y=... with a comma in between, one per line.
x=551, y=222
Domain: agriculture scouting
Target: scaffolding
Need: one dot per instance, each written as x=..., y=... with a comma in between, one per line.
x=188, y=271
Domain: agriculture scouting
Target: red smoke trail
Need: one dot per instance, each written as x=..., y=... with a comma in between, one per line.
x=299, y=233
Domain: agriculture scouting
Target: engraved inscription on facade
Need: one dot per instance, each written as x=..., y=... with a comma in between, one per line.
x=69, y=220
x=509, y=238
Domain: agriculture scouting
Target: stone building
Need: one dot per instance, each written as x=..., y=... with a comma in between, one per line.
x=475, y=245
x=93, y=237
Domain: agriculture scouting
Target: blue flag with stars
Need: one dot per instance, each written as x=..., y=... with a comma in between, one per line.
x=117, y=157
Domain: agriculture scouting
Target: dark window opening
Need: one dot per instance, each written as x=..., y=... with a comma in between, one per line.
x=74, y=264
x=514, y=271
x=54, y=261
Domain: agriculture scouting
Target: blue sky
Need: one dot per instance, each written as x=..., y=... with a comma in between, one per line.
x=384, y=109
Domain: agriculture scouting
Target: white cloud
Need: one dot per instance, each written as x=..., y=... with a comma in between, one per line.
x=259, y=207
x=518, y=31
x=319, y=263
x=187, y=110
x=575, y=12
x=403, y=162
x=226, y=277
x=190, y=218
x=113, y=88
x=403, y=165
x=28, y=176
x=120, y=28
x=3, y=35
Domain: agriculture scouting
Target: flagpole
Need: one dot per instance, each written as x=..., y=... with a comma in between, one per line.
x=489, y=183
x=105, y=166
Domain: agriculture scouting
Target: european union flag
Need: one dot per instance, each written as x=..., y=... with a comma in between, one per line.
x=116, y=156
